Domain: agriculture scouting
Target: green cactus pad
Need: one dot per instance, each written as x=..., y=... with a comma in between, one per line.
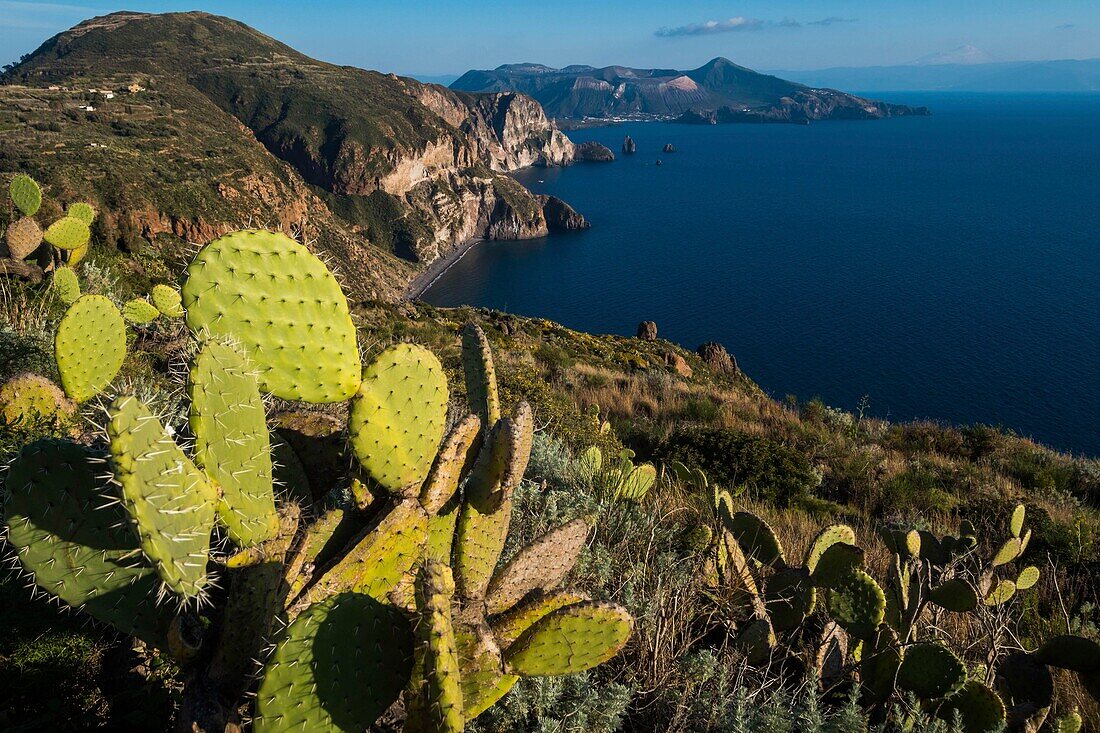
x=955, y=595
x=571, y=639
x=169, y=500
x=826, y=538
x=232, y=443
x=483, y=678
x=933, y=549
x=931, y=671
x=65, y=285
x=508, y=626
x=441, y=530
x=906, y=544
x=1071, y=652
x=756, y=539
x=589, y=464
x=1001, y=593
x=76, y=256
x=27, y=398
x=337, y=667
x=1008, y=552
x=1023, y=679
x=25, y=194
x=980, y=708
x=481, y=376
x=636, y=484
x=1028, y=577
x=879, y=661
x=68, y=232
x=450, y=465
x=168, y=301
x=90, y=346
x=139, y=312
x=735, y=570
x=789, y=598
x=836, y=563
x=1016, y=523
x=433, y=700
x=82, y=211
x=286, y=309
x=398, y=417
x=1071, y=722
x=858, y=604
x=22, y=237
x=756, y=641
x=487, y=510
x=542, y=565
x=68, y=529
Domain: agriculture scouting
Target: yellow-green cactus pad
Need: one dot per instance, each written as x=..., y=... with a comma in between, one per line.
x=955, y=595
x=336, y=668
x=22, y=237
x=90, y=346
x=170, y=501
x=571, y=639
x=25, y=194
x=232, y=443
x=281, y=303
x=80, y=210
x=433, y=700
x=980, y=708
x=508, y=626
x=931, y=671
x=168, y=301
x=68, y=232
x=1016, y=523
x=826, y=538
x=456, y=453
x=1001, y=593
x=542, y=565
x=139, y=312
x=836, y=563
x=27, y=398
x=1028, y=577
x=636, y=483
x=69, y=530
x=1008, y=552
x=65, y=285
x=398, y=417
x=76, y=256
x=1071, y=722
x=757, y=539
x=483, y=678
x=858, y=604
x=481, y=376
x=789, y=597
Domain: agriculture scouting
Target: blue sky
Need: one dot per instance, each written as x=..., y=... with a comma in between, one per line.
x=421, y=37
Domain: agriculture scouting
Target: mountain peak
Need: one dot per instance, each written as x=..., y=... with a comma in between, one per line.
x=965, y=54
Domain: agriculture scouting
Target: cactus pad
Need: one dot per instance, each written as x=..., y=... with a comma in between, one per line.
x=931, y=671
x=90, y=346
x=635, y=484
x=481, y=376
x=65, y=285
x=232, y=443
x=169, y=500
x=447, y=471
x=68, y=232
x=1071, y=652
x=837, y=563
x=68, y=529
x=508, y=626
x=285, y=308
x=1001, y=593
x=337, y=667
x=757, y=539
x=955, y=595
x=139, y=312
x=789, y=597
x=826, y=538
x=434, y=697
x=571, y=639
x=25, y=194
x=1071, y=722
x=1016, y=523
x=168, y=301
x=397, y=419
x=82, y=211
x=980, y=708
x=483, y=678
x=858, y=604
x=905, y=544
x=26, y=398
x=756, y=641
x=1028, y=577
x=22, y=237
x=542, y=565
x=1008, y=552
x=589, y=464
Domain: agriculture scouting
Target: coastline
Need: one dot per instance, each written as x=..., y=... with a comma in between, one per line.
x=420, y=284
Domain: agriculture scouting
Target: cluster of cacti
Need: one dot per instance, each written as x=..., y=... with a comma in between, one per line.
x=622, y=480
x=68, y=236
x=372, y=604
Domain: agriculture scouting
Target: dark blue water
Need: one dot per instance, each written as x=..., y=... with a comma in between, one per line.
x=947, y=267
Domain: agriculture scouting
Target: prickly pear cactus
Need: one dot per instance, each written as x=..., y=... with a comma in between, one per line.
x=22, y=237
x=65, y=285
x=68, y=232
x=980, y=708
x=25, y=194
x=757, y=539
x=281, y=303
x=541, y=565
x=168, y=301
x=26, y=398
x=232, y=442
x=139, y=312
x=170, y=502
x=634, y=484
x=90, y=346
x=481, y=376
x=82, y=211
x=931, y=671
x=571, y=639
x=397, y=419
x=955, y=595
x=826, y=538
x=433, y=700
x=858, y=604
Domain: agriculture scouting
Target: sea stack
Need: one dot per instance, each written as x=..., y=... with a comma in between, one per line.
x=629, y=148
x=669, y=148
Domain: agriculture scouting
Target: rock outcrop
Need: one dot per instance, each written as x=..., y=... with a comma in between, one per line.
x=593, y=152
x=647, y=331
x=803, y=107
x=668, y=148
x=629, y=146
x=560, y=216
x=717, y=358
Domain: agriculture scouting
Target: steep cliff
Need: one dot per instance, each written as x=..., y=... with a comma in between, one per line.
x=211, y=125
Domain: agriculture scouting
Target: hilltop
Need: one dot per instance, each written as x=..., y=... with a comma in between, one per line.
x=184, y=125
x=579, y=92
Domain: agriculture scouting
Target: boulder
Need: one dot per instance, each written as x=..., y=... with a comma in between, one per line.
x=629, y=146
x=717, y=358
x=678, y=364
x=647, y=330
x=593, y=152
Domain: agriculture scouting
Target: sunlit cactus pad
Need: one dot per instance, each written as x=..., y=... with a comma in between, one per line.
x=571, y=639
x=68, y=232
x=82, y=211
x=232, y=443
x=337, y=667
x=541, y=565
x=398, y=417
x=90, y=346
x=858, y=604
x=169, y=500
x=22, y=237
x=167, y=300
x=25, y=194
x=69, y=530
x=26, y=398
x=283, y=305
x=139, y=312
x=65, y=285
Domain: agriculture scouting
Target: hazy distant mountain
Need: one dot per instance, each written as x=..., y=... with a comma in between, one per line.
x=719, y=86
x=1013, y=76
x=963, y=55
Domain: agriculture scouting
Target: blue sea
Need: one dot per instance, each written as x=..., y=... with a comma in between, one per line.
x=945, y=267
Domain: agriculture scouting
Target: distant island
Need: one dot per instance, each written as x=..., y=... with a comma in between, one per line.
x=718, y=91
